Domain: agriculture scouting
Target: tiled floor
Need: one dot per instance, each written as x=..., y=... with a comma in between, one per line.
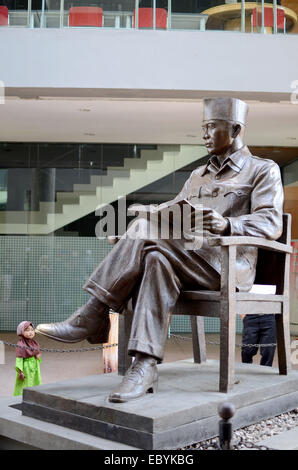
x=62, y=366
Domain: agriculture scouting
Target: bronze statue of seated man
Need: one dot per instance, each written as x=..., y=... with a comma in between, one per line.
x=242, y=194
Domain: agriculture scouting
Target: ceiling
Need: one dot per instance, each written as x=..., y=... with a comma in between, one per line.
x=157, y=121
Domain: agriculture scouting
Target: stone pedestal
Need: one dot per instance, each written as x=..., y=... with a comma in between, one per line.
x=182, y=412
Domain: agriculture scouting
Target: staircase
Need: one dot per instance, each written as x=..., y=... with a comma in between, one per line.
x=102, y=190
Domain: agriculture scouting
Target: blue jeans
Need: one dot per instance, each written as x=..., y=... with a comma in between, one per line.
x=259, y=329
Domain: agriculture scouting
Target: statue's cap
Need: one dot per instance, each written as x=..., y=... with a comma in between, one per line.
x=225, y=109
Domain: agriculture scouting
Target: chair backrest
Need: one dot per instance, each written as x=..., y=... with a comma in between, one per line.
x=146, y=18
x=271, y=265
x=268, y=17
x=3, y=16
x=85, y=16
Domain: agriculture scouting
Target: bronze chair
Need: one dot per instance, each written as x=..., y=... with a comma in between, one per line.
x=273, y=268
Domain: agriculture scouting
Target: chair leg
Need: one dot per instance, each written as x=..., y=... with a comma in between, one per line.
x=227, y=319
x=283, y=340
x=227, y=352
x=125, y=320
x=198, y=339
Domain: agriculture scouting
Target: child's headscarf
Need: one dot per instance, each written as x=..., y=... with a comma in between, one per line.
x=23, y=345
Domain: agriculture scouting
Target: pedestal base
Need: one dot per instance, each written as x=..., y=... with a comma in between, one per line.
x=182, y=412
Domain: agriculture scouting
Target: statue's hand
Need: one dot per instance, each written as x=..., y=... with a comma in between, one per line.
x=214, y=222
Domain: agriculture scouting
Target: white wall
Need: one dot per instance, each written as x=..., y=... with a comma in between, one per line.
x=153, y=60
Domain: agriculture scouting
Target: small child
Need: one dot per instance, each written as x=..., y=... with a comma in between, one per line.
x=27, y=360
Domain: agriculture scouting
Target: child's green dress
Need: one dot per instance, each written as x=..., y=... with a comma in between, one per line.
x=30, y=366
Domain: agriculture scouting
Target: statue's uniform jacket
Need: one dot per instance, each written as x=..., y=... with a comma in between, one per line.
x=247, y=190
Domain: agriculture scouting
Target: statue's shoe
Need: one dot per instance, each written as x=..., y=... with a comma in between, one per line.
x=90, y=321
x=139, y=379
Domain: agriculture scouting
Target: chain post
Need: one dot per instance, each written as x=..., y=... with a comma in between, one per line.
x=226, y=411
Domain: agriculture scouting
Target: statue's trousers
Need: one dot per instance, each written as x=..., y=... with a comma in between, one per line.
x=151, y=272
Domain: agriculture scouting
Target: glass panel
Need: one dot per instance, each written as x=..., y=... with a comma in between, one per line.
x=225, y=15
x=48, y=247
x=229, y=15
x=290, y=177
x=275, y=17
x=13, y=266
x=50, y=14
x=16, y=13
x=189, y=14
x=222, y=15
x=205, y=14
x=99, y=13
x=118, y=14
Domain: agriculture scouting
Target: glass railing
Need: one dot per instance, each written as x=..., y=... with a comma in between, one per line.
x=33, y=170
x=267, y=17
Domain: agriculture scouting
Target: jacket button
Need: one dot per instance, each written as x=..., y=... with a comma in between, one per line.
x=215, y=193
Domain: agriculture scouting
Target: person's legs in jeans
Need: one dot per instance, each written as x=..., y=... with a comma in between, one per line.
x=250, y=335
x=267, y=336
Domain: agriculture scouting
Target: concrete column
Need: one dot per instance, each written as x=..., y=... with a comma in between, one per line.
x=43, y=186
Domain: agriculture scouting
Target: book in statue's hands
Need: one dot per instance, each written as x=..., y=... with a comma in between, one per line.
x=177, y=219
x=171, y=210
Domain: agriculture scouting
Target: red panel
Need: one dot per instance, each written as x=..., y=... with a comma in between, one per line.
x=294, y=257
x=85, y=16
x=3, y=16
x=268, y=17
x=146, y=18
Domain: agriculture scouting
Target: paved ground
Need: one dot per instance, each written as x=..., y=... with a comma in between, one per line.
x=287, y=440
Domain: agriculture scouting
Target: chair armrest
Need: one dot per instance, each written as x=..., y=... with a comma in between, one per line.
x=251, y=241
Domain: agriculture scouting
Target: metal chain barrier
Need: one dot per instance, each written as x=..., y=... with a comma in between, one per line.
x=105, y=346
x=94, y=348
x=217, y=343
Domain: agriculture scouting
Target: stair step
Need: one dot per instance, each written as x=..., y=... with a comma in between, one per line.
x=22, y=217
x=131, y=164
x=102, y=190
x=65, y=195
x=95, y=181
x=113, y=171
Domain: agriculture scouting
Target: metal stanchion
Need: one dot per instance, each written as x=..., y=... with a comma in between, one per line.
x=226, y=411
x=274, y=16
x=243, y=16
x=136, y=14
x=263, y=17
x=169, y=14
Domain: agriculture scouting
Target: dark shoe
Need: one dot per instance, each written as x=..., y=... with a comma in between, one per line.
x=140, y=378
x=91, y=322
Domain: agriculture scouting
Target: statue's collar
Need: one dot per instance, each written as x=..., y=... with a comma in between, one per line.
x=236, y=160
x=239, y=157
